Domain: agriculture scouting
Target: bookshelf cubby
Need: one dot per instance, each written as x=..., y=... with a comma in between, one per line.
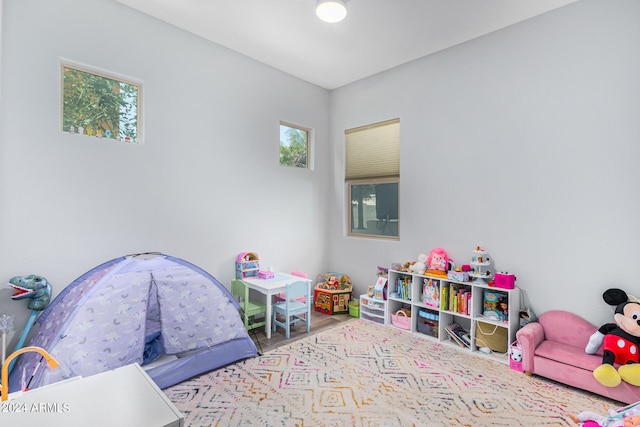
x=437, y=303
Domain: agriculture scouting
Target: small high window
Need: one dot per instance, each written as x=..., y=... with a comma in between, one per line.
x=100, y=105
x=294, y=145
x=372, y=178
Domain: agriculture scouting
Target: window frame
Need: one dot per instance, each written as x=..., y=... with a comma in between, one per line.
x=139, y=133
x=372, y=181
x=372, y=157
x=309, y=132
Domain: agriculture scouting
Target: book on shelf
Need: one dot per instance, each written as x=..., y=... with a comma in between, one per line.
x=403, y=287
x=496, y=305
x=444, y=298
x=456, y=299
x=459, y=335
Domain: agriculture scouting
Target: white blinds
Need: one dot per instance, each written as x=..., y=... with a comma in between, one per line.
x=373, y=151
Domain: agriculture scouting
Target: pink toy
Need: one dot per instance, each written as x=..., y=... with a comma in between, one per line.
x=438, y=259
x=265, y=274
x=505, y=281
x=629, y=416
x=437, y=263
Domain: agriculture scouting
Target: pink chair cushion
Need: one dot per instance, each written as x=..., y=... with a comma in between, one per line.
x=566, y=328
x=569, y=355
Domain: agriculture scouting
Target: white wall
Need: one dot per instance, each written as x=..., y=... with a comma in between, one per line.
x=526, y=141
x=204, y=186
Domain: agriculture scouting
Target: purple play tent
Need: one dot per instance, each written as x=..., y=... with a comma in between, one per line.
x=151, y=309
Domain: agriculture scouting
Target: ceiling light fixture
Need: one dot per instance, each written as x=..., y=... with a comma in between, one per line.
x=331, y=10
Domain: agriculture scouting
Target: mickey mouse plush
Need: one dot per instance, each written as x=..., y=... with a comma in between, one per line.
x=620, y=341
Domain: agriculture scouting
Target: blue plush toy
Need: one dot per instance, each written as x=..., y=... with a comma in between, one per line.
x=35, y=287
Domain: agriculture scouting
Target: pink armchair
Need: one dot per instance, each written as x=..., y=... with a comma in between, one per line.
x=554, y=347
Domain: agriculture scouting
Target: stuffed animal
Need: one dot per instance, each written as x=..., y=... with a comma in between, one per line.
x=438, y=263
x=37, y=288
x=619, y=340
x=420, y=266
x=629, y=416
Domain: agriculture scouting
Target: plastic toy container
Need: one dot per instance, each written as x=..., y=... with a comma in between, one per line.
x=428, y=322
x=354, y=308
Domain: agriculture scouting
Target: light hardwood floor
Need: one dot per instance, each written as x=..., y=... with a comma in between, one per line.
x=319, y=322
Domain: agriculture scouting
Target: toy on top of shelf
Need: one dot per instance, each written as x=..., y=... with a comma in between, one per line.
x=419, y=266
x=503, y=280
x=380, y=288
x=458, y=274
x=620, y=341
x=400, y=266
x=481, y=264
x=438, y=263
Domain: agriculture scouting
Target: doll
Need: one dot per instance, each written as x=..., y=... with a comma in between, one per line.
x=628, y=416
x=593, y=419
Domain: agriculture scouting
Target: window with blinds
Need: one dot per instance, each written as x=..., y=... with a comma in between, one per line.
x=372, y=174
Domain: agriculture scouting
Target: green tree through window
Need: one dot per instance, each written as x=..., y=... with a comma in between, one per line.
x=294, y=146
x=98, y=105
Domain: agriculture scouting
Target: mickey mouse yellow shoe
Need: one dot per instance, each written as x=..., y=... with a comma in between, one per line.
x=607, y=375
x=630, y=373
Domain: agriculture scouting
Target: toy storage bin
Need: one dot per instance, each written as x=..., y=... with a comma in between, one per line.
x=427, y=327
x=375, y=319
x=354, y=308
x=401, y=320
x=428, y=323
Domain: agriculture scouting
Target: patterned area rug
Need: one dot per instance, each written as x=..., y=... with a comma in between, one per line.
x=362, y=374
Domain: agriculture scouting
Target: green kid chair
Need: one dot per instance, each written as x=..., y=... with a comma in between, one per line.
x=248, y=309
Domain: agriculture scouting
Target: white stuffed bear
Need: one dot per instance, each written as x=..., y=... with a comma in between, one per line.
x=421, y=265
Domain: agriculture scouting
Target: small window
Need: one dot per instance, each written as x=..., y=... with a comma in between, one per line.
x=100, y=105
x=373, y=179
x=294, y=146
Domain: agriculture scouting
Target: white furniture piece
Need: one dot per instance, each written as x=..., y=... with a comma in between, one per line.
x=373, y=310
x=126, y=396
x=466, y=312
x=271, y=287
x=482, y=266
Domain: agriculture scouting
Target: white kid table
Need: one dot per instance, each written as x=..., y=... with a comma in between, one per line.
x=271, y=287
x=125, y=396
